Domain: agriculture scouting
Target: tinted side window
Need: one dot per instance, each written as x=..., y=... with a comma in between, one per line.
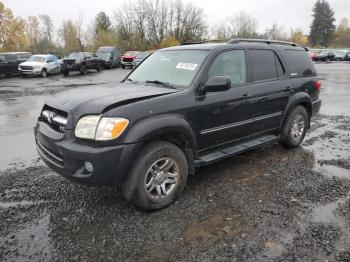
x=262, y=64
x=231, y=64
x=9, y=57
x=49, y=59
x=299, y=63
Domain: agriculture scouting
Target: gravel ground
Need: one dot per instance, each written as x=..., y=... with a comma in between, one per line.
x=269, y=204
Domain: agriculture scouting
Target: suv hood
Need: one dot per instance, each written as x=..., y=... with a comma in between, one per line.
x=32, y=63
x=99, y=99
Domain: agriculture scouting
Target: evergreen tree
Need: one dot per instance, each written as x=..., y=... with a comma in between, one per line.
x=322, y=27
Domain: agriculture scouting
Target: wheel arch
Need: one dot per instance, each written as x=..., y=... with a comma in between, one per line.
x=171, y=128
x=302, y=99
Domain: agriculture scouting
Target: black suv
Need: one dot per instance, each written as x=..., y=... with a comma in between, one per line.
x=182, y=108
x=9, y=61
x=81, y=61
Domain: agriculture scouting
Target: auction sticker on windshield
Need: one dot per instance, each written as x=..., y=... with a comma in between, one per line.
x=187, y=66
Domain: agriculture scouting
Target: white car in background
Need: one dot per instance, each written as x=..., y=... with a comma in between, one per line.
x=40, y=65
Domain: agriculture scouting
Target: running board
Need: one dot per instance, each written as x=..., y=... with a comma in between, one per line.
x=233, y=150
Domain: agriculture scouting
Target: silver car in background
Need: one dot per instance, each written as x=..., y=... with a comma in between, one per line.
x=40, y=65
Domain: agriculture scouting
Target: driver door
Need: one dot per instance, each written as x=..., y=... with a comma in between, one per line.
x=227, y=117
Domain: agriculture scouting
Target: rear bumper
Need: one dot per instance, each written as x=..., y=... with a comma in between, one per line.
x=63, y=154
x=131, y=64
x=316, y=105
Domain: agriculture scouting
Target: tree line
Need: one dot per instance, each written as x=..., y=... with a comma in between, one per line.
x=153, y=24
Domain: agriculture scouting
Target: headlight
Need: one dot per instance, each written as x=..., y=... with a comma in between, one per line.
x=110, y=128
x=101, y=129
x=86, y=127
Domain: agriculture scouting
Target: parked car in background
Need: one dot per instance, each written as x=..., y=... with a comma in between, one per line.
x=140, y=57
x=313, y=54
x=110, y=56
x=128, y=58
x=40, y=65
x=8, y=63
x=22, y=56
x=81, y=61
x=325, y=55
x=341, y=55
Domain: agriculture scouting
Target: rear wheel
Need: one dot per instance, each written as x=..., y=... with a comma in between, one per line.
x=158, y=176
x=295, y=127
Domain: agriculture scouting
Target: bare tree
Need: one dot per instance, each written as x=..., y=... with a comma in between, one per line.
x=276, y=32
x=47, y=27
x=243, y=25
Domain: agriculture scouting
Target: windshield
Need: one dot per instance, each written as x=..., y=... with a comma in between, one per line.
x=176, y=67
x=324, y=53
x=36, y=58
x=339, y=53
x=76, y=56
x=104, y=55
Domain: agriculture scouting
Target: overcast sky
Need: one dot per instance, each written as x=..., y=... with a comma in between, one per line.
x=289, y=13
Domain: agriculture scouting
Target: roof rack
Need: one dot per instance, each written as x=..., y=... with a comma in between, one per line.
x=204, y=42
x=247, y=40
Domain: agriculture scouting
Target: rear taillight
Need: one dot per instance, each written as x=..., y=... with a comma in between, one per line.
x=317, y=85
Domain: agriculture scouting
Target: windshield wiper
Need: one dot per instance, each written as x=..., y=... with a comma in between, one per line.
x=157, y=82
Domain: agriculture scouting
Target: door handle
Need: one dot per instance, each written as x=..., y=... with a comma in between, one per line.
x=289, y=89
x=246, y=96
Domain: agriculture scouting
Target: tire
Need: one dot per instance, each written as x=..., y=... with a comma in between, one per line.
x=123, y=66
x=66, y=72
x=146, y=184
x=98, y=68
x=295, y=127
x=83, y=70
x=44, y=73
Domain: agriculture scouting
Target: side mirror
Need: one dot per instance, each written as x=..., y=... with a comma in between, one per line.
x=217, y=84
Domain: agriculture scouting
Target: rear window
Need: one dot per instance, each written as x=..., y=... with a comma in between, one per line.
x=263, y=65
x=299, y=63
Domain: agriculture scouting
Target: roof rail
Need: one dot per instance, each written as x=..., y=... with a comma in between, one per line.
x=204, y=42
x=266, y=41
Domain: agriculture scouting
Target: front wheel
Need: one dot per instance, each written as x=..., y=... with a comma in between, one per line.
x=158, y=176
x=295, y=127
x=44, y=73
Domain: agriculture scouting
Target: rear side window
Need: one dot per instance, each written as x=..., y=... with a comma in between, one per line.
x=262, y=64
x=231, y=64
x=299, y=63
x=10, y=57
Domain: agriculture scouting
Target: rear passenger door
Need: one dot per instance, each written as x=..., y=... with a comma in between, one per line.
x=271, y=91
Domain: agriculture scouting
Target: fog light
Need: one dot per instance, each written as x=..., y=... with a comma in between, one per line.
x=89, y=167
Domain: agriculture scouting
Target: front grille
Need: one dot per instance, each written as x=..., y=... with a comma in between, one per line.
x=26, y=67
x=55, y=118
x=54, y=157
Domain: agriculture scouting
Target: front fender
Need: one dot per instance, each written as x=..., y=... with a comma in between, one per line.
x=297, y=99
x=148, y=128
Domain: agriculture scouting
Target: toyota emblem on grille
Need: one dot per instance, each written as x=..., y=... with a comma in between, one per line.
x=50, y=117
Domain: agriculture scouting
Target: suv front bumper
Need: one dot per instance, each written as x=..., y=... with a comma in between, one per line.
x=63, y=154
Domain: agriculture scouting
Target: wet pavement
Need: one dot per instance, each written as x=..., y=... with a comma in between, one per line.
x=267, y=204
